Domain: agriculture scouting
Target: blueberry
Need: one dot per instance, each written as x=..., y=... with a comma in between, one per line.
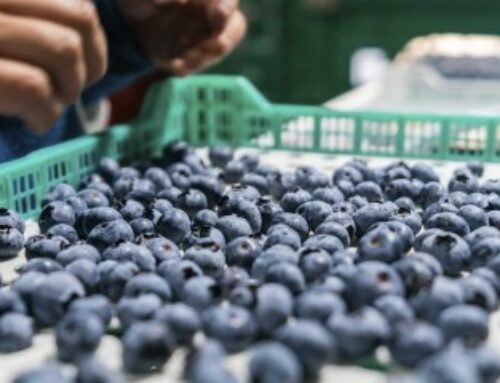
x=11, y=302
x=272, y=362
x=96, y=304
x=331, y=284
x=494, y=218
x=463, y=180
x=346, y=187
x=86, y=272
x=174, y=225
x=177, y=273
x=309, y=178
x=103, y=187
x=110, y=233
x=490, y=186
x=452, y=364
x=450, y=250
x=136, y=309
x=220, y=155
x=242, y=208
x=233, y=227
x=467, y=322
x=486, y=360
x=370, y=281
x=234, y=171
x=369, y=190
x=142, y=226
x=27, y=286
x=128, y=251
x=148, y=283
x=294, y=221
x=212, y=187
x=55, y=213
x=58, y=193
x=114, y=275
x=402, y=188
x=161, y=248
x=16, y=332
x=489, y=276
x=294, y=198
x=424, y=173
x=11, y=242
x=53, y=296
x=205, y=364
x=12, y=219
x=315, y=264
x=443, y=293
x=191, y=201
x=357, y=201
x=146, y=347
x=45, y=374
x=210, y=259
x=479, y=292
x=481, y=233
x=439, y=207
x=93, y=198
x=310, y=341
x=170, y=194
x=318, y=305
x=141, y=190
x=493, y=202
x=233, y=326
x=65, y=231
x=370, y=214
x=246, y=192
x=288, y=275
x=233, y=277
x=314, y=212
x=450, y=222
x=476, y=168
x=343, y=219
x=479, y=200
x=79, y=250
x=95, y=216
x=416, y=273
x=347, y=173
x=257, y=181
x=201, y=292
x=242, y=252
x=401, y=230
x=380, y=244
x=91, y=178
x=431, y=193
x=406, y=203
x=40, y=246
x=413, y=342
x=358, y=334
x=268, y=209
x=183, y=320
x=281, y=234
x=280, y=183
x=328, y=243
x=158, y=177
x=274, y=305
x=335, y=229
x=330, y=195
x=410, y=218
x=205, y=217
x=394, y=308
x=78, y=336
x=251, y=161
x=91, y=371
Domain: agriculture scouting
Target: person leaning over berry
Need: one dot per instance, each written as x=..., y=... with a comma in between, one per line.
x=54, y=52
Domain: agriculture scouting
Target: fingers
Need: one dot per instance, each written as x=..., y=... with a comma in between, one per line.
x=56, y=49
x=79, y=15
x=26, y=91
x=212, y=50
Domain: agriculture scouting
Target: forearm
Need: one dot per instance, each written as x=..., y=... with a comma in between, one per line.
x=127, y=62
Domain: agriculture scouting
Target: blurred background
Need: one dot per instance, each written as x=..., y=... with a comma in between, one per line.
x=309, y=51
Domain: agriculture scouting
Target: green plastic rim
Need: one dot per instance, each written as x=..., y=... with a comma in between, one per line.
x=214, y=110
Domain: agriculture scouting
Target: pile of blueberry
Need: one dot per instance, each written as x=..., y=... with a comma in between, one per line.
x=299, y=269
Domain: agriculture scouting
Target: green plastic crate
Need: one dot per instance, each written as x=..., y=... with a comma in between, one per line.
x=210, y=110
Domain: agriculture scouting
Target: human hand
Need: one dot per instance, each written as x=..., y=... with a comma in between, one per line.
x=50, y=50
x=185, y=36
